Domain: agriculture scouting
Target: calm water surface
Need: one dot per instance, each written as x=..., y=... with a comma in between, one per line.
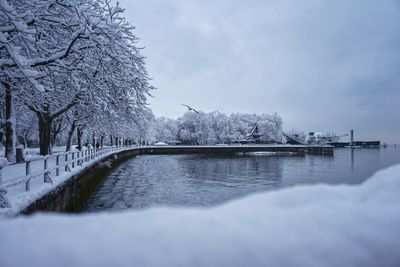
x=200, y=180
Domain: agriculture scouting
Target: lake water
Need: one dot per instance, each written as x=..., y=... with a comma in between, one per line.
x=204, y=180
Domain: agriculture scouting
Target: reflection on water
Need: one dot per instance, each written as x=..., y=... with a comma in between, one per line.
x=204, y=180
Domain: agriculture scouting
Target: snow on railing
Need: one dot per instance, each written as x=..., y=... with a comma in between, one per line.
x=62, y=162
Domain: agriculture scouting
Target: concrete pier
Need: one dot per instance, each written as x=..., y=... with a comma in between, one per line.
x=231, y=149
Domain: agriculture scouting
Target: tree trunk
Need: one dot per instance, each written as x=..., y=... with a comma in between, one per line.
x=55, y=130
x=10, y=124
x=45, y=134
x=79, y=137
x=1, y=136
x=70, y=134
x=94, y=140
x=25, y=137
x=53, y=139
x=53, y=134
x=101, y=141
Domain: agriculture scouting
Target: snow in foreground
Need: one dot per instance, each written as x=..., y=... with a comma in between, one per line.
x=317, y=225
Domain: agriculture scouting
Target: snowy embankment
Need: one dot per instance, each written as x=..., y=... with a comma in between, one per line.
x=319, y=225
x=14, y=180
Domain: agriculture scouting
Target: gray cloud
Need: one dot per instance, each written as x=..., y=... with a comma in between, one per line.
x=323, y=65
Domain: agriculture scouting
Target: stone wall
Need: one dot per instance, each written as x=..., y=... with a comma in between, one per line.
x=71, y=195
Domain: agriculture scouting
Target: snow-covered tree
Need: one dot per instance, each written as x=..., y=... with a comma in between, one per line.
x=215, y=127
x=60, y=54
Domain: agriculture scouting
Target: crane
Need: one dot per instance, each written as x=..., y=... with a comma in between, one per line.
x=293, y=139
x=254, y=133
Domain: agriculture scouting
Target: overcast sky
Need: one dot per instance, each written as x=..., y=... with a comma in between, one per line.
x=323, y=65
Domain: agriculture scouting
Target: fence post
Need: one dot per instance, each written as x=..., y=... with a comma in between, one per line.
x=27, y=174
x=45, y=168
x=73, y=162
x=79, y=158
x=66, y=162
x=57, y=163
x=46, y=175
x=28, y=168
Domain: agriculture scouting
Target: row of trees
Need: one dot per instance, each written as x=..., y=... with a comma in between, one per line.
x=69, y=66
x=213, y=128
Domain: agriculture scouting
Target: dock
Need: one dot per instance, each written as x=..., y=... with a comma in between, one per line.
x=363, y=144
x=232, y=149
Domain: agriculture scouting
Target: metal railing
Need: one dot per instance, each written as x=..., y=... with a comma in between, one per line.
x=52, y=166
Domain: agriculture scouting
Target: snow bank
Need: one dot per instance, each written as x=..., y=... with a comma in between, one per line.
x=320, y=225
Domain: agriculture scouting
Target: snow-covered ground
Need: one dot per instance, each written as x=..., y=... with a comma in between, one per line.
x=318, y=225
x=35, y=151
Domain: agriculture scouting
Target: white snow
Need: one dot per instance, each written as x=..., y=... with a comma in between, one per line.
x=318, y=225
x=161, y=144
